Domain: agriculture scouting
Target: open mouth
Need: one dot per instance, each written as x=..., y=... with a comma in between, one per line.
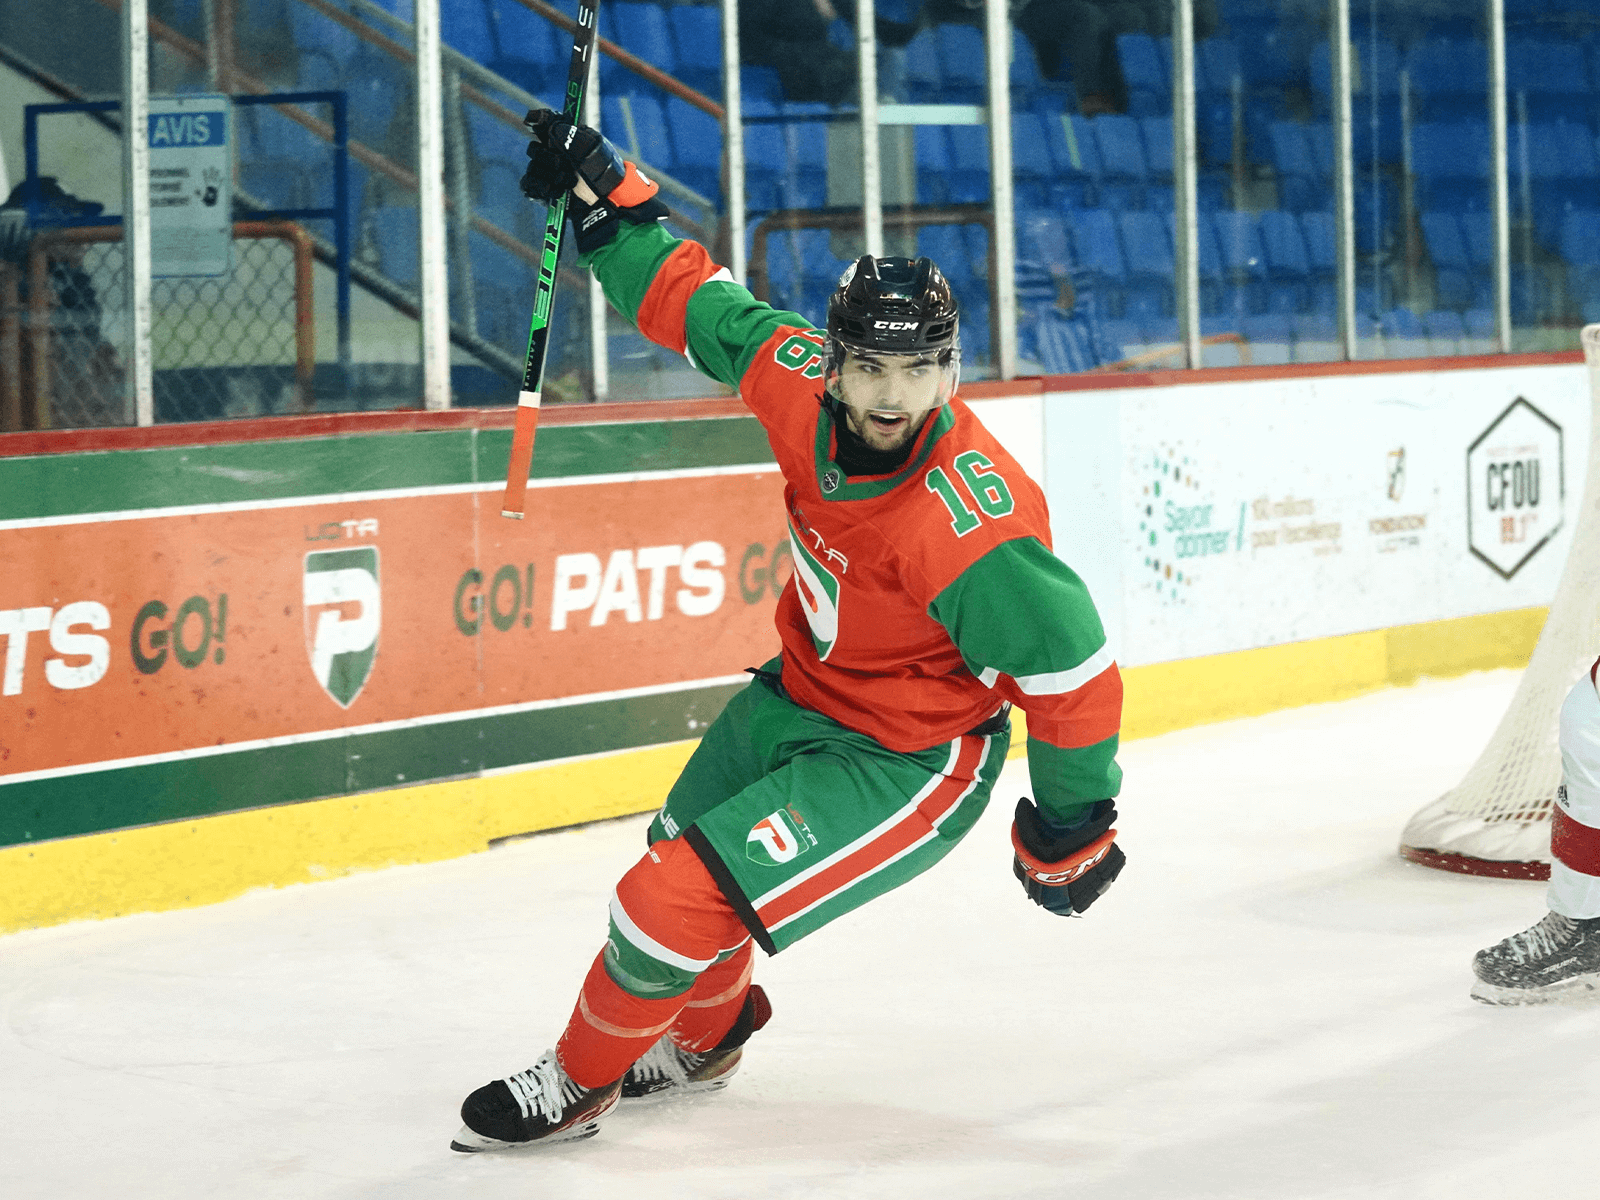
x=887, y=422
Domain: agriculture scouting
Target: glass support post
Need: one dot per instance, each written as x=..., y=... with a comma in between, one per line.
x=1185, y=230
x=1499, y=173
x=1003, y=241
x=871, y=157
x=1343, y=176
x=733, y=139
x=136, y=193
x=599, y=344
x=434, y=287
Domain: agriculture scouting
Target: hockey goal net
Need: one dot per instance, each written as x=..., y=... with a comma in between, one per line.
x=1497, y=820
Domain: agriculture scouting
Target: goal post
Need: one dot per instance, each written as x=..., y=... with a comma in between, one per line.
x=1496, y=821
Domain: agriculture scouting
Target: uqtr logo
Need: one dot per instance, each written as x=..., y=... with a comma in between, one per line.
x=343, y=613
x=779, y=838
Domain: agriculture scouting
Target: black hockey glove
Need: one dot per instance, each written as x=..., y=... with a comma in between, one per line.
x=1064, y=869
x=562, y=155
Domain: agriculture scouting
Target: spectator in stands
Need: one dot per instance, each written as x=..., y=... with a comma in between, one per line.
x=793, y=40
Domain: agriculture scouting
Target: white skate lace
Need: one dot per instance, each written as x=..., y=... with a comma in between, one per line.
x=665, y=1061
x=544, y=1089
x=1542, y=940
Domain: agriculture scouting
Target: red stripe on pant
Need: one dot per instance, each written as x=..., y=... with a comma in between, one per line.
x=885, y=846
x=671, y=897
x=1574, y=844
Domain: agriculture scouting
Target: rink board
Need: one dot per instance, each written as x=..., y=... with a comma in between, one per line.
x=236, y=658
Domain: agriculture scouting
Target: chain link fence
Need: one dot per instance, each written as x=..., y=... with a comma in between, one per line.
x=237, y=345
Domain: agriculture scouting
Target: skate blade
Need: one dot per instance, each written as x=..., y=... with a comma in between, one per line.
x=1579, y=989
x=678, y=1092
x=469, y=1142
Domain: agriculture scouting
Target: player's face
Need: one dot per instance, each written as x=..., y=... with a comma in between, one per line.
x=887, y=397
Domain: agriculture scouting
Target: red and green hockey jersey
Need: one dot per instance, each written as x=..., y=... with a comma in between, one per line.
x=921, y=599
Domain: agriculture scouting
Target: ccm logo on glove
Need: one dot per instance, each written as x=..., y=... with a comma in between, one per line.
x=1066, y=868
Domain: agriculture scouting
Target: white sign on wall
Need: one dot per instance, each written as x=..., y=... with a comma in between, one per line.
x=191, y=186
x=1515, y=487
x=1208, y=518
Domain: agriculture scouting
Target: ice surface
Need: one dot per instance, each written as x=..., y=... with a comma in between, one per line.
x=1270, y=1004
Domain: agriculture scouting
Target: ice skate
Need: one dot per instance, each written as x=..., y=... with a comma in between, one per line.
x=540, y=1105
x=1557, y=959
x=667, y=1070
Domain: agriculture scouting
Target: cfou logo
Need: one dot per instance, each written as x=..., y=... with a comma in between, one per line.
x=343, y=612
x=780, y=838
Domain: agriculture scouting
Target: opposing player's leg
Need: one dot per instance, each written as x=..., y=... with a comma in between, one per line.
x=1559, y=957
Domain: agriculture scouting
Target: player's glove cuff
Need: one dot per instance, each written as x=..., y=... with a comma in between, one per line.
x=1065, y=869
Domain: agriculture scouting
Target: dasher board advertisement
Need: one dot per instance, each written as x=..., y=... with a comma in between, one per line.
x=1255, y=513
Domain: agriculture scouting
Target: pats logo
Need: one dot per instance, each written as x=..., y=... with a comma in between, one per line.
x=343, y=611
x=780, y=838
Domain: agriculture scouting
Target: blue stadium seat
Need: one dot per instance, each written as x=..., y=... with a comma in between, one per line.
x=640, y=29
x=1123, y=168
x=1404, y=334
x=1096, y=246
x=1552, y=76
x=1244, y=261
x=924, y=74
x=500, y=200
x=1450, y=160
x=1562, y=167
x=948, y=246
x=622, y=118
x=807, y=182
x=493, y=265
x=759, y=84
x=1157, y=135
x=1445, y=331
x=315, y=32
x=1025, y=78
x=962, y=63
x=1288, y=262
x=493, y=138
x=1030, y=153
x=465, y=26
x=1216, y=65
x=932, y=154
x=1449, y=79
x=1385, y=75
x=969, y=163
x=318, y=71
x=1452, y=267
x=766, y=166
x=394, y=230
x=1271, y=338
x=532, y=53
x=697, y=35
x=696, y=147
x=1076, y=155
x=1148, y=247
x=1580, y=247
x=1149, y=91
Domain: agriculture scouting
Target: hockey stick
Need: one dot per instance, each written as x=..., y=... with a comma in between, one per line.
x=539, y=327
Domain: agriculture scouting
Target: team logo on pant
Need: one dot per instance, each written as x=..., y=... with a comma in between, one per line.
x=779, y=838
x=342, y=613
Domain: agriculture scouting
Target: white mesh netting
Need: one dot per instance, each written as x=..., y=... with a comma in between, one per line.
x=1497, y=820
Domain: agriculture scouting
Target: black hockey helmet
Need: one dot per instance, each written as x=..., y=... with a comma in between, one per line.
x=894, y=306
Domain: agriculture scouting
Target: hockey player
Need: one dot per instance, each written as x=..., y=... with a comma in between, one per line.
x=925, y=601
x=1559, y=958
